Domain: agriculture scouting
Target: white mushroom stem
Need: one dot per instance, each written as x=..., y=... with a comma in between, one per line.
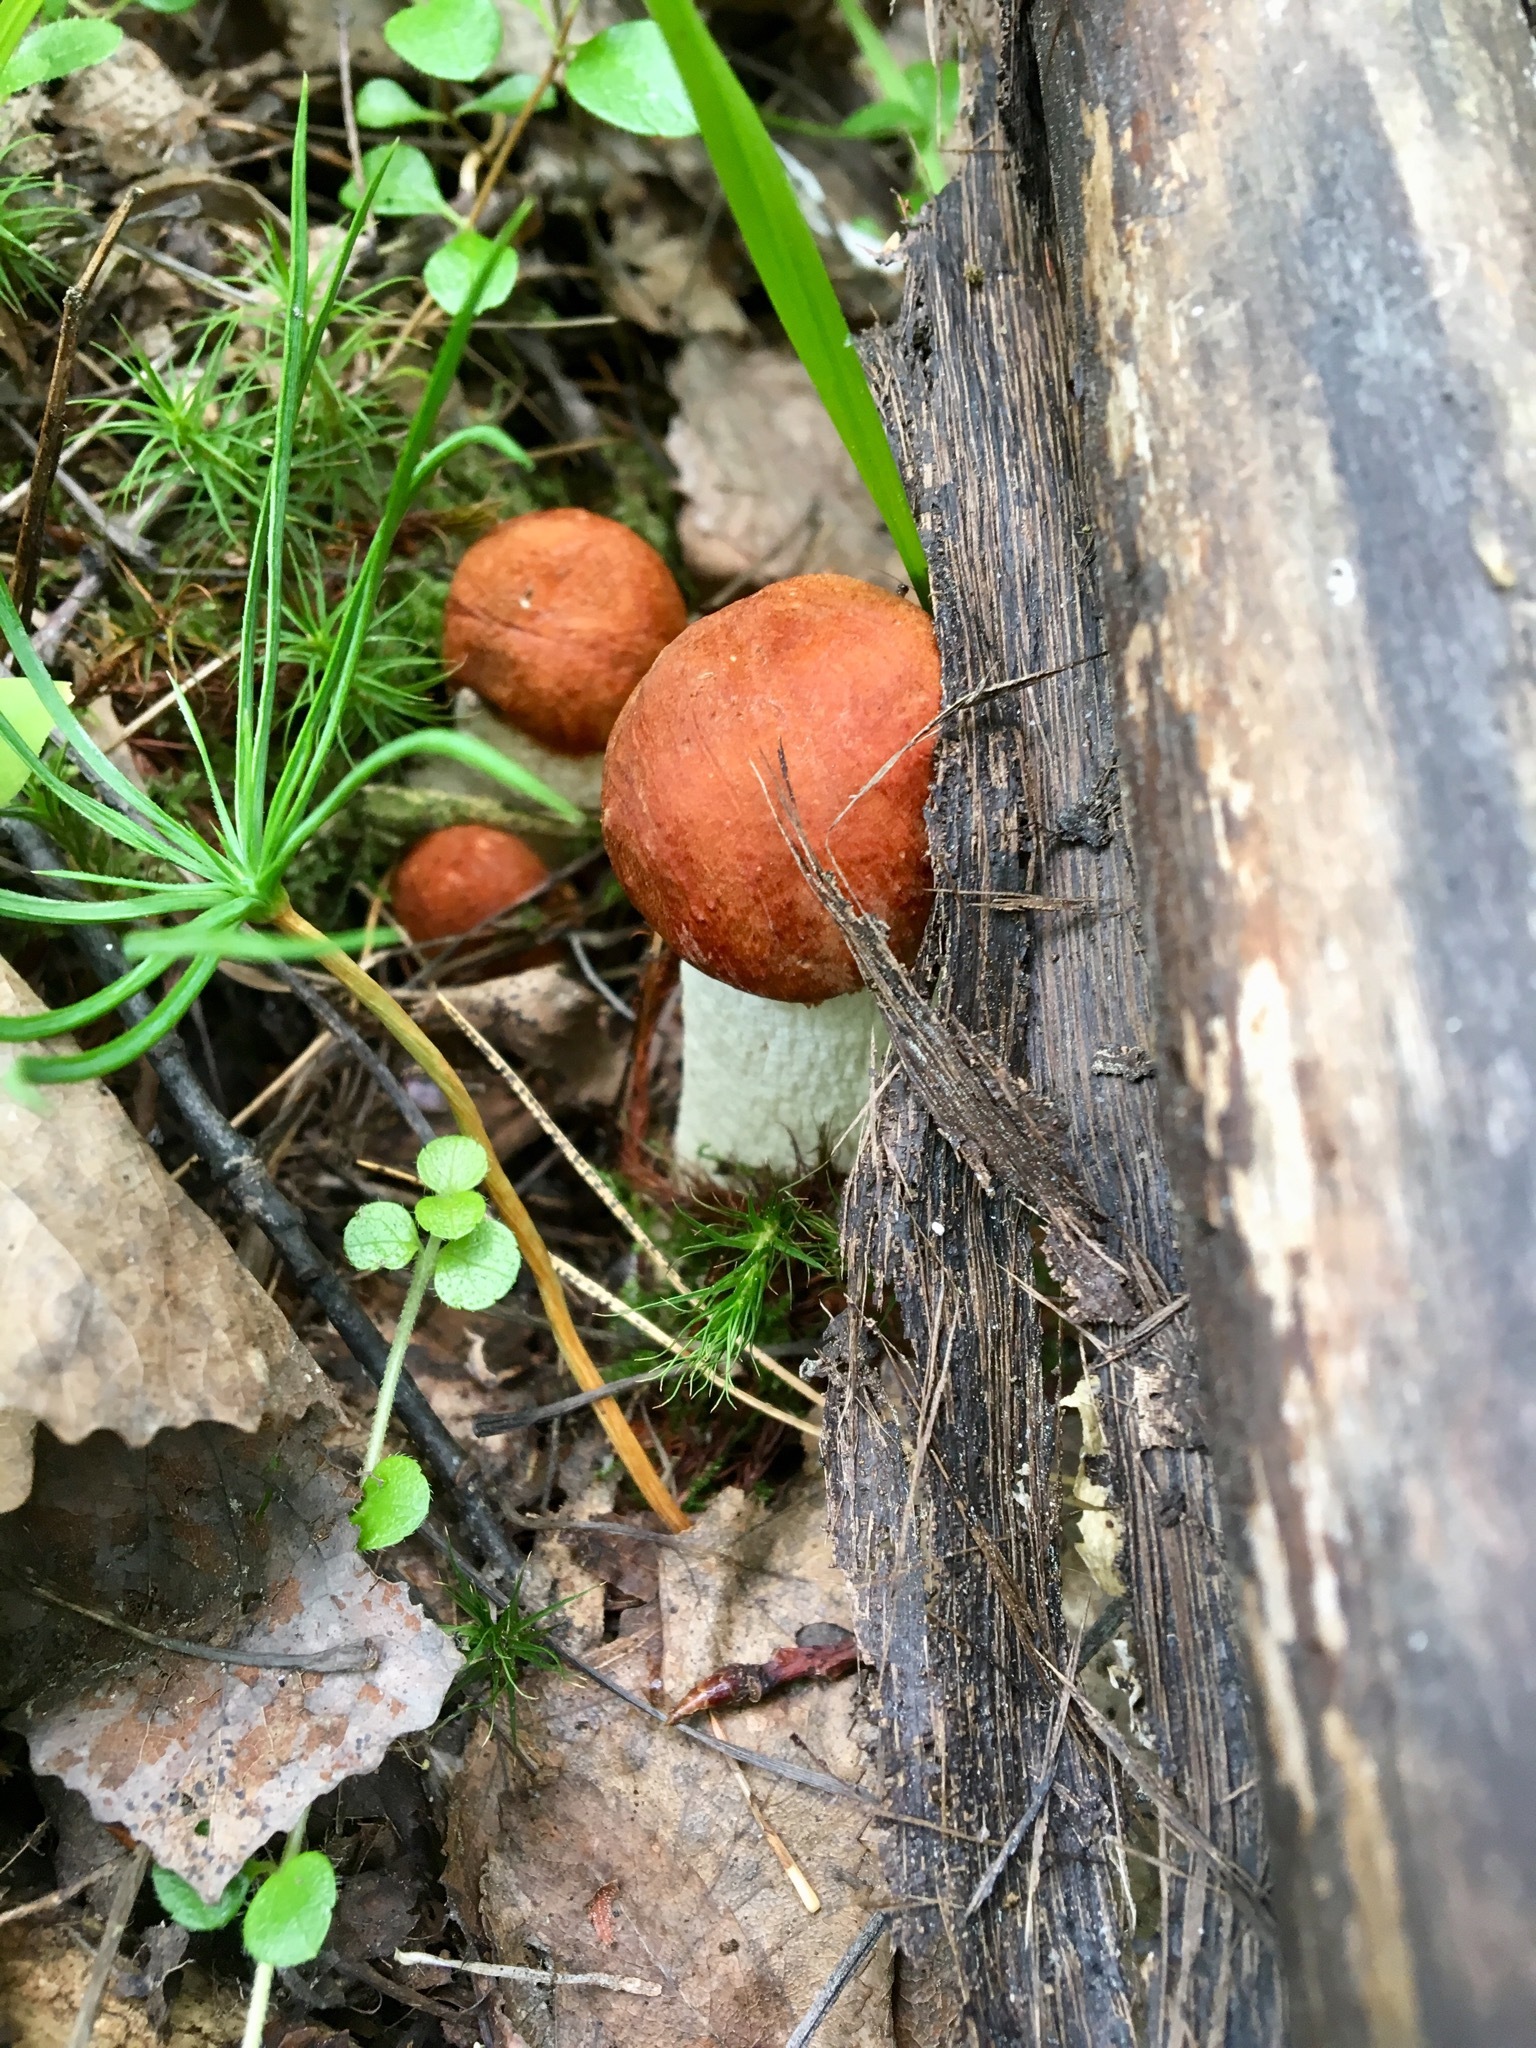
x=772, y=1086
x=576, y=777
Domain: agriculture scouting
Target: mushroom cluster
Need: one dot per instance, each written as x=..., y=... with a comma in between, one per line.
x=551, y=621
x=841, y=680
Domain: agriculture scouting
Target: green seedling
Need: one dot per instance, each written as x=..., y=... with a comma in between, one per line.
x=227, y=889
x=287, y=1921
x=499, y=1645
x=757, y=1250
x=469, y=1259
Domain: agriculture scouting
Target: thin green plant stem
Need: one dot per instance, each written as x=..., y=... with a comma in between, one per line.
x=261, y=1983
x=406, y=1032
x=415, y=1294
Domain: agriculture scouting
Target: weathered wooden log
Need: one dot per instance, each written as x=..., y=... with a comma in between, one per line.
x=1302, y=240
x=1019, y=1109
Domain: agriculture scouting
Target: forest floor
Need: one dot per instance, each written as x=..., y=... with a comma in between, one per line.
x=537, y=1820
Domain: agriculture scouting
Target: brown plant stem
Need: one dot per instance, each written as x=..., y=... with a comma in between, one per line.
x=406, y=1032
x=50, y=438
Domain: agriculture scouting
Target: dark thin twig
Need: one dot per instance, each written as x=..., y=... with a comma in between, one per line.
x=235, y=1164
x=851, y=1962
x=124, y=534
x=413, y=1114
x=349, y=1657
x=50, y=439
x=499, y=1421
x=123, y=1896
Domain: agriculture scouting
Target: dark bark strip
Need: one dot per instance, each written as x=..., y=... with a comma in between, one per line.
x=1019, y=1098
x=1302, y=240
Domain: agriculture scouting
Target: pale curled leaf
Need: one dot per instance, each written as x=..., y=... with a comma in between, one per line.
x=452, y=1165
x=243, y=1541
x=125, y=1308
x=451, y=1216
x=381, y=1238
x=476, y=1271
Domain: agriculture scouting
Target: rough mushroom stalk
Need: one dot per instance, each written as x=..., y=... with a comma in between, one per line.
x=841, y=680
x=773, y=1086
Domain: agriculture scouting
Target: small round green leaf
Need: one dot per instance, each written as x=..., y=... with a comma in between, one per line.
x=510, y=95
x=168, y=6
x=451, y=1216
x=474, y=1272
x=446, y=38
x=57, y=49
x=383, y=103
x=453, y=1165
x=290, y=1916
x=395, y=1501
x=188, y=1908
x=381, y=1236
x=409, y=185
x=626, y=77
x=453, y=271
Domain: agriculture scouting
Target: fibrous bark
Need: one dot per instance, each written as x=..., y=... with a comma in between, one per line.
x=1018, y=1109
x=1302, y=245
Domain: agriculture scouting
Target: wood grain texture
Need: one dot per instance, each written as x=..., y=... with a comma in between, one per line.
x=944, y=1447
x=1303, y=245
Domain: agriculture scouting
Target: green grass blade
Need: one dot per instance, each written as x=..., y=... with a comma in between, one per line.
x=40, y=1071
x=51, y=1023
x=116, y=910
x=759, y=194
x=202, y=942
x=156, y=833
x=450, y=746
x=313, y=743
x=290, y=397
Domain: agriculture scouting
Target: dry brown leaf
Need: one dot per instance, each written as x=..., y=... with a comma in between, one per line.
x=769, y=488
x=211, y=1537
x=549, y=1023
x=660, y=1828
x=135, y=109
x=125, y=1308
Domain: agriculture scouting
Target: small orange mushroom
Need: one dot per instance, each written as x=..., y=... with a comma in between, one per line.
x=553, y=619
x=454, y=879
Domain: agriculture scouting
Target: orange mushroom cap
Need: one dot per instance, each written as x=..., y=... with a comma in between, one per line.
x=841, y=675
x=454, y=879
x=554, y=618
